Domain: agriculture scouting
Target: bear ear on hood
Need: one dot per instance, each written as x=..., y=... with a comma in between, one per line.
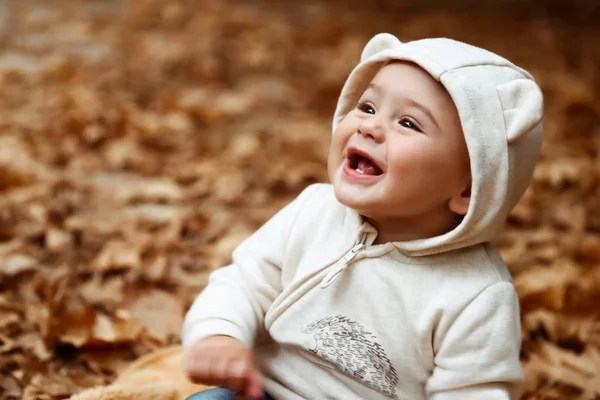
x=522, y=105
x=379, y=43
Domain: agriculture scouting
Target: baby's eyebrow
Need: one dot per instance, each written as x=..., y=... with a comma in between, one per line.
x=374, y=88
x=424, y=109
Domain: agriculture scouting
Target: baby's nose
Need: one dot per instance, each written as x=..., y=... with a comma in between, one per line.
x=372, y=128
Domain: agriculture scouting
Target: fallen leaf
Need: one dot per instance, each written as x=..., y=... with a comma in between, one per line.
x=16, y=264
x=121, y=328
x=159, y=312
x=10, y=387
x=57, y=240
x=117, y=255
x=76, y=326
x=99, y=291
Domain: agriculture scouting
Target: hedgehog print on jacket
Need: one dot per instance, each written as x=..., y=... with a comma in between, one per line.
x=354, y=351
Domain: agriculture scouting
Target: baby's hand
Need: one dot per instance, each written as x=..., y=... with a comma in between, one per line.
x=224, y=361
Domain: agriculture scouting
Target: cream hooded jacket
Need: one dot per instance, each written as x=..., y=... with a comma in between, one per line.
x=332, y=316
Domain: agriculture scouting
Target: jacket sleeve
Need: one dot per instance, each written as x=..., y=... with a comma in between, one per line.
x=237, y=296
x=478, y=356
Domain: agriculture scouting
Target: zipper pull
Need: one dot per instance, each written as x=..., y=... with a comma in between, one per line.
x=341, y=265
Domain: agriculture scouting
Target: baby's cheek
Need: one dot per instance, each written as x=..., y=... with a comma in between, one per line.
x=419, y=169
x=334, y=159
x=409, y=159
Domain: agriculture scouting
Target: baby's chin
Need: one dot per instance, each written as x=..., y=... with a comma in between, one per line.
x=356, y=199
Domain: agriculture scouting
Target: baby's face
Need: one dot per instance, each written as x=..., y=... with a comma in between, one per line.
x=401, y=152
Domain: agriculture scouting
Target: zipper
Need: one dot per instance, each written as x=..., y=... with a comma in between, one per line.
x=343, y=263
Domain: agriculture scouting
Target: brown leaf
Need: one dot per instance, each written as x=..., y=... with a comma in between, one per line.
x=76, y=326
x=126, y=188
x=563, y=328
x=33, y=342
x=8, y=318
x=107, y=292
x=17, y=165
x=57, y=240
x=117, y=255
x=222, y=250
x=15, y=264
x=10, y=387
x=7, y=344
x=121, y=328
x=43, y=387
x=159, y=312
x=558, y=365
x=156, y=268
x=111, y=362
x=548, y=285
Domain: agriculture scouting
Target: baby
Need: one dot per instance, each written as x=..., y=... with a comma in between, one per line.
x=383, y=284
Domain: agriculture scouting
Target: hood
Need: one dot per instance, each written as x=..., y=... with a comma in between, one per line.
x=500, y=108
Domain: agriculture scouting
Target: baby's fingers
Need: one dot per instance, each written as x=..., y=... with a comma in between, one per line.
x=209, y=371
x=244, y=378
x=237, y=374
x=198, y=369
x=254, y=386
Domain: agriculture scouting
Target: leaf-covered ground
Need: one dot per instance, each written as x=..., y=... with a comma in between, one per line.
x=140, y=141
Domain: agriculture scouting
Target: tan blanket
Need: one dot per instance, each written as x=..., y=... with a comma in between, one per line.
x=155, y=376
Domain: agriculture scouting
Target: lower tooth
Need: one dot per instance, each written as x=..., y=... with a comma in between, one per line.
x=360, y=171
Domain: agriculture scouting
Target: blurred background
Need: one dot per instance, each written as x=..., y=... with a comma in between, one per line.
x=142, y=140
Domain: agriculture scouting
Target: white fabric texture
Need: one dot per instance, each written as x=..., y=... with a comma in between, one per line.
x=330, y=315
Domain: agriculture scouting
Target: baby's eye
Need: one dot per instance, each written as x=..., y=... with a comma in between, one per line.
x=366, y=108
x=407, y=123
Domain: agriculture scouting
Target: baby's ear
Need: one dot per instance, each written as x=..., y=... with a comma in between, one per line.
x=379, y=43
x=459, y=204
x=522, y=105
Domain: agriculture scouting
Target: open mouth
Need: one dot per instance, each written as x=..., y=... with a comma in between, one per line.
x=361, y=163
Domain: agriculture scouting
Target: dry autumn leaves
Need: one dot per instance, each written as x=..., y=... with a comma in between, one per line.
x=140, y=141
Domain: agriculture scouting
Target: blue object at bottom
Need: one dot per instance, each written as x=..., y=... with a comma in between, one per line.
x=219, y=394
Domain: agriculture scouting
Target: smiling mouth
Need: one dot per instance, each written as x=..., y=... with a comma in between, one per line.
x=362, y=164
